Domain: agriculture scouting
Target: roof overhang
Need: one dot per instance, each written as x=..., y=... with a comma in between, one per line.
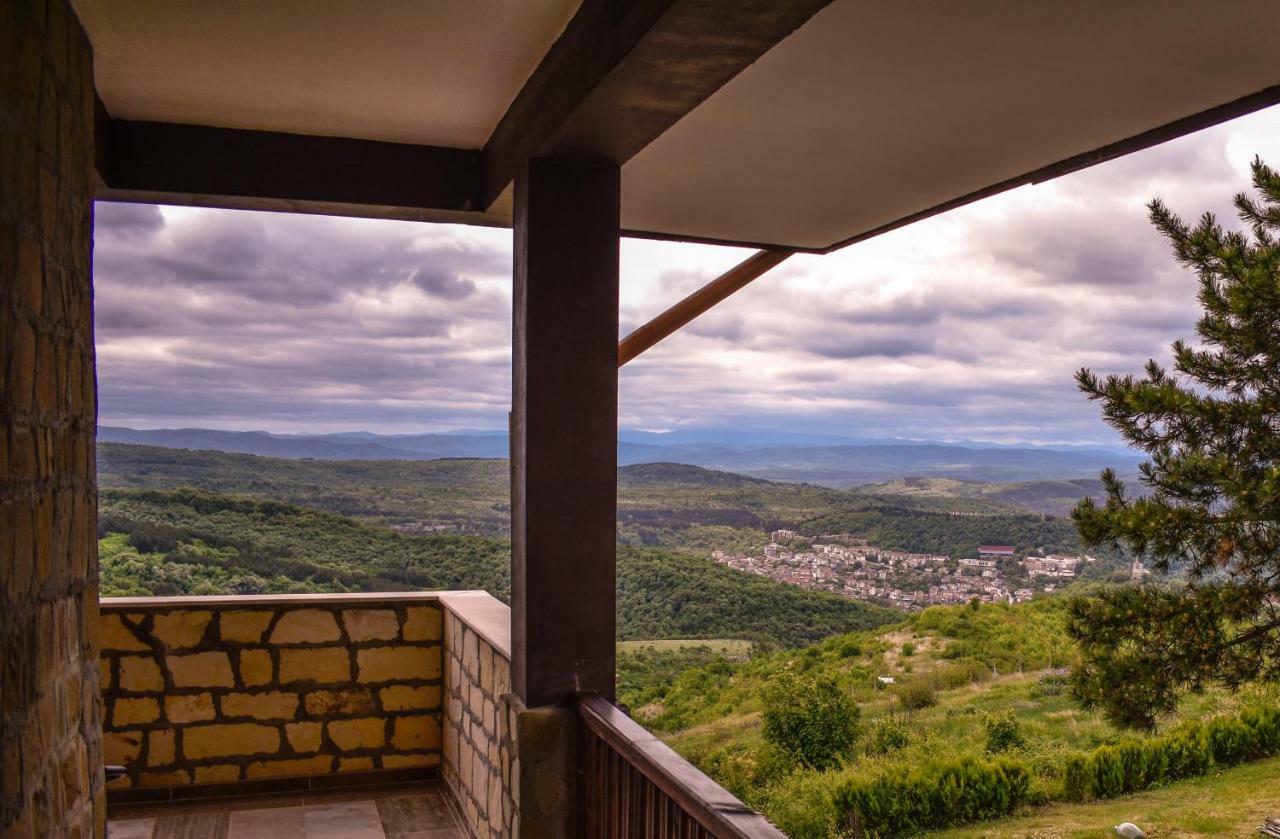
x=802, y=124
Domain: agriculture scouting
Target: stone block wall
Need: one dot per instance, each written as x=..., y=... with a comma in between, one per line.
x=201, y=690
x=481, y=762
x=50, y=765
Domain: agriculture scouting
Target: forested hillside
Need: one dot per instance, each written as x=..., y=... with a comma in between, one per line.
x=894, y=526
x=1054, y=498
x=195, y=542
x=662, y=505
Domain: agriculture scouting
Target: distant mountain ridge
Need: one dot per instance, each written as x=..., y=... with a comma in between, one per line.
x=828, y=460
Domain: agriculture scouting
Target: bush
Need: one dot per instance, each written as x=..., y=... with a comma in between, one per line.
x=850, y=649
x=1188, y=751
x=906, y=802
x=1265, y=722
x=917, y=695
x=1232, y=741
x=887, y=736
x=908, y=649
x=1003, y=732
x=1106, y=772
x=1077, y=778
x=811, y=718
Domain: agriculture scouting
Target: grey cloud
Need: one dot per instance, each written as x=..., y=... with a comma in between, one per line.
x=121, y=220
x=442, y=284
x=867, y=344
x=244, y=320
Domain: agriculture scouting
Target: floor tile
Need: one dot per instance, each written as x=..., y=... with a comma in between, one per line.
x=208, y=825
x=274, y=823
x=130, y=828
x=348, y=820
x=414, y=813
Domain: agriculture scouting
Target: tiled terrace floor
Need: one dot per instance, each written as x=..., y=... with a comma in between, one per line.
x=419, y=812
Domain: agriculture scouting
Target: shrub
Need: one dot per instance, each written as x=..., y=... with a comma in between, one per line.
x=1265, y=722
x=1003, y=732
x=1232, y=741
x=908, y=649
x=1188, y=750
x=1106, y=772
x=850, y=649
x=1077, y=778
x=811, y=718
x=905, y=802
x=887, y=736
x=1140, y=764
x=802, y=804
x=917, y=695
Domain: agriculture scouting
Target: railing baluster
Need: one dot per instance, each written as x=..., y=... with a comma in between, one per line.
x=637, y=788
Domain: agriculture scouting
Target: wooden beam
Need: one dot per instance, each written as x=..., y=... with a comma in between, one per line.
x=624, y=71
x=736, y=278
x=206, y=166
x=564, y=430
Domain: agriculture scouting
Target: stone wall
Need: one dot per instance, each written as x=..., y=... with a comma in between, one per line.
x=481, y=762
x=234, y=690
x=50, y=775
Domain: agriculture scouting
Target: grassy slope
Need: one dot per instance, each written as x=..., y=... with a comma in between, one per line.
x=985, y=661
x=1231, y=803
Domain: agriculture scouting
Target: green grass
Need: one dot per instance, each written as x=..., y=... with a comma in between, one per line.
x=987, y=661
x=1230, y=803
x=728, y=647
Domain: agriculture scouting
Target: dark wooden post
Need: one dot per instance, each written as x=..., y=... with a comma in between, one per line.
x=564, y=430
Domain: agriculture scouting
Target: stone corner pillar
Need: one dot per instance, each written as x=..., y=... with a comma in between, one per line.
x=50, y=737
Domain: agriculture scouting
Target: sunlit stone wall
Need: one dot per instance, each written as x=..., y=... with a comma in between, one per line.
x=236, y=690
x=481, y=762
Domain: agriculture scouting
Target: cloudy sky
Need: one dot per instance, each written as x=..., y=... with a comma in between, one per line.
x=967, y=326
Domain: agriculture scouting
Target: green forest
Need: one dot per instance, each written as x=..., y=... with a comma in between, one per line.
x=185, y=541
x=660, y=505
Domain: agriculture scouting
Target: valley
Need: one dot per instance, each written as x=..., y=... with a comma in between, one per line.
x=708, y=630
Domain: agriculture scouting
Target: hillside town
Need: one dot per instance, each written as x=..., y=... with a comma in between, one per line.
x=850, y=565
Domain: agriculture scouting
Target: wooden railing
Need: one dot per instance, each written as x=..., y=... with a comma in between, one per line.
x=636, y=787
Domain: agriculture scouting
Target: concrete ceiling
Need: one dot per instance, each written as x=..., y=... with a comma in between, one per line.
x=878, y=109
x=430, y=72
x=872, y=112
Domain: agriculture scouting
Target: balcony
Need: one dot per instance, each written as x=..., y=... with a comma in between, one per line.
x=390, y=714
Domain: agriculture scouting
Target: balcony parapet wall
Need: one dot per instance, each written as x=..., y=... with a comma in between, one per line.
x=481, y=759
x=243, y=691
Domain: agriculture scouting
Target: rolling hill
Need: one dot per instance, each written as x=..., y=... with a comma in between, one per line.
x=822, y=459
x=196, y=542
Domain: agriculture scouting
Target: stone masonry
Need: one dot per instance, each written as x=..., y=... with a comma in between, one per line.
x=50, y=764
x=238, y=689
x=481, y=762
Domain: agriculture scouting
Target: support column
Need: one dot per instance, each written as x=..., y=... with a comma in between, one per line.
x=50, y=731
x=564, y=424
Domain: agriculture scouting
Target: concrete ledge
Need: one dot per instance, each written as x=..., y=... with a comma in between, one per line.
x=240, y=600
x=484, y=614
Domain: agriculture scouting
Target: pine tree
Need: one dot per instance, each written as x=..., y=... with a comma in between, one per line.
x=1211, y=430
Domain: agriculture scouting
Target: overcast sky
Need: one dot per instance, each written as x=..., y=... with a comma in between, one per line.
x=967, y=326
